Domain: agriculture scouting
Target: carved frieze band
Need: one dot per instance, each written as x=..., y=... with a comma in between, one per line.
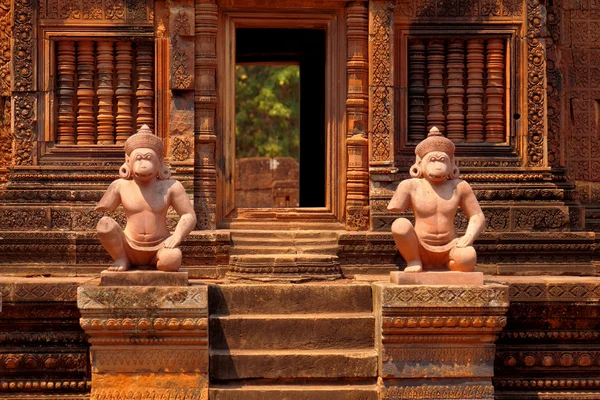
x=165, y=298
x=381, y=85
x=458, y=392
x=143, y=324
x=150, y=394
x=555, y=291
x=187, y=358
x=536, y=84
x=391, y=324
x=53, y=362
x=97, y=10
x=463, y=8
x=446, y=354
x=205, y=108
x=409, y=296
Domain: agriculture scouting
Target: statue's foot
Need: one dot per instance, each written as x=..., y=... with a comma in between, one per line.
x=414, y=267
x=120, y=266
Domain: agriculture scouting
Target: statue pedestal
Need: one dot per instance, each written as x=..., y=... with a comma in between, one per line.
x=436, y=278
x=146, y=341
x=438, y=341
x=144, y=278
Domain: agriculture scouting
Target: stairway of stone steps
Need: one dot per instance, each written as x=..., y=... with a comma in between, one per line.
x=284, y=255
x=295, y=342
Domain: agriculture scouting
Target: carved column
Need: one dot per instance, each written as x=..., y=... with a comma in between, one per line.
x=6, y=134
x=435, y=89
x=106, y=117
x=66, y=67
x=381, y=85
x=537, y=121
x=475, y=89
x=456, y=91
x=124, y=91
x=357, y=108
x=24, y=84
x=494, y=91
x=416, y=90
x=86, y=64
x=145, y=87
x=205, y=173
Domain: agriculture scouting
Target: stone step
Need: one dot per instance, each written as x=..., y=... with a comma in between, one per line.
x=339, y=391
x=281, y=224
x=288, y=364
x=289, y=331
x=281, y=259
x=287, y=242
x=331, y=250
x=259, y=249
x=265, y=250
x=283, y=234
x=310, y=298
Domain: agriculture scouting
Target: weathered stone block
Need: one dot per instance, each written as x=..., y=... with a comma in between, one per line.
x=438, y=340
x=147, y=342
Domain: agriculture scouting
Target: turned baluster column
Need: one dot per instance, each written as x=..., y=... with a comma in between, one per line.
x=416, y=90
x=435, y=90
x=106, y=118
x=124, y=91
x=145, y=89
x=456, y=66
x=86, y=121
x=66, y=92
x=495, y=91
x=475, y=90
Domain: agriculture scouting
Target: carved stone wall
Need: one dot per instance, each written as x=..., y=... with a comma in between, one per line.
x=44, y=350
x=548, y=349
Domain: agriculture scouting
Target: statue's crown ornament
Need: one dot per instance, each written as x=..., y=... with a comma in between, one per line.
x=144, y=138
x=435, y=141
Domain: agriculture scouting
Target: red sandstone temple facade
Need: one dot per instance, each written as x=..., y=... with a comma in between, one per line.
x=514, y=83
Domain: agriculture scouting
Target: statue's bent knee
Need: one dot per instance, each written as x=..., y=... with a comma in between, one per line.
x=402, y=227
x=169, y=259
x=462, y=259
x=106, y=225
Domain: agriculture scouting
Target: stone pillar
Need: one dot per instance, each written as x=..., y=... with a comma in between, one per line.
x=437, y=341
x=147, y=342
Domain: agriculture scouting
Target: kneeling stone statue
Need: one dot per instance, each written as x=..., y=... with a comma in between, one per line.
x=146, y=193
x=434, y=193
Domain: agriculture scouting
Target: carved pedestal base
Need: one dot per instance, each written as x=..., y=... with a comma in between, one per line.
x=438, y=341
x=147, y=342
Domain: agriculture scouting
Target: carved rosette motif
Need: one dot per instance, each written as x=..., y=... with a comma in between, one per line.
x=205, y=109
x=536, y=84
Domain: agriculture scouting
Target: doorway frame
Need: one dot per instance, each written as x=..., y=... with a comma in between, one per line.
x=332, y=21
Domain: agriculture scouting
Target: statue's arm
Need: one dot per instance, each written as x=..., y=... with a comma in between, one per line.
x=401, y=199
x=470, y=207
x=187, y=217
x=111, y=199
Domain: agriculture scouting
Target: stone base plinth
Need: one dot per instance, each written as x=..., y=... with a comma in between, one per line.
x=436, y=278
x=144, y=278
x=438, y=341
x=146, y=342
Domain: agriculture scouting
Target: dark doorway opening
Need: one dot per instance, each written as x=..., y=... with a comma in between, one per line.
x=305, y=48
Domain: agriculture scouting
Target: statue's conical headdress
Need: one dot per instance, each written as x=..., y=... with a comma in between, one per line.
x=144, y=138
x=435, y=142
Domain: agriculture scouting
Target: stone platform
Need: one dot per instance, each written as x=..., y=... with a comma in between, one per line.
x=436, y=278
x=144, y=278
x=146, y=342
x=438, y=341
